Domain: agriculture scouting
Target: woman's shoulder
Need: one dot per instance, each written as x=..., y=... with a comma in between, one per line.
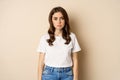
x=45, y=36
x=72, y=34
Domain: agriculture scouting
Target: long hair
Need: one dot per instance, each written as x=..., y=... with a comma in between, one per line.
x=65, y=29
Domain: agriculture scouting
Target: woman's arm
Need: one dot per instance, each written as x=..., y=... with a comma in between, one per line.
x=75, y=66
x=40, y=65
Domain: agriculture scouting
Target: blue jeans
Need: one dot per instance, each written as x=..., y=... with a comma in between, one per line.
x=53, y=73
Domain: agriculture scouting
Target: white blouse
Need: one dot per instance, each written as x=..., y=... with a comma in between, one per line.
x=58, y=55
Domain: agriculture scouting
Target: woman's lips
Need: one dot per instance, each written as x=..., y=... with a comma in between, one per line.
x=58, y=25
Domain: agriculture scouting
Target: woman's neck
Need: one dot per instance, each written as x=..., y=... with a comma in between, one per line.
x=58, y=32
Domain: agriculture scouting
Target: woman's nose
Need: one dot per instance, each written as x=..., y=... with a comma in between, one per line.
x=59, y=21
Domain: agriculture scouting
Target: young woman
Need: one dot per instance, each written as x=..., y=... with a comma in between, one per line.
x=58, y=58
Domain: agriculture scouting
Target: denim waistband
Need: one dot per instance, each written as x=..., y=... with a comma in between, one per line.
x=58, y=69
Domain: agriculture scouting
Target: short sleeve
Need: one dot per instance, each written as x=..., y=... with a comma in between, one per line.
x=76, y=46
x=41, y=46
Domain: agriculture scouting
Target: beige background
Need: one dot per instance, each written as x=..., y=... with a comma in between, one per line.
x=95, y=22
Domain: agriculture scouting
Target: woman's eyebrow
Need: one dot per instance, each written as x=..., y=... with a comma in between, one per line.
x=58, y=17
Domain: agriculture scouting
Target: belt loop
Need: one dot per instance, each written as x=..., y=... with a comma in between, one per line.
x=64, y=70
x=52, y=69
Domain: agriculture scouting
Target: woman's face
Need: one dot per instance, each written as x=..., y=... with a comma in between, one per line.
x=58, y=20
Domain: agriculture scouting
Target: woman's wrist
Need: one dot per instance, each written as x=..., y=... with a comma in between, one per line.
x=75, y=79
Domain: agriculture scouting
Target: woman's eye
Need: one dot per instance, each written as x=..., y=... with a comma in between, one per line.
x=55, y=18
x=62, y=18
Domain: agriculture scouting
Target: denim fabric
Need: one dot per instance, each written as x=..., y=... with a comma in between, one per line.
x=53, y=73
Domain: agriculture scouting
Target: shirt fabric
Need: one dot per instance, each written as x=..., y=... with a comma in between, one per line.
x=58, y=55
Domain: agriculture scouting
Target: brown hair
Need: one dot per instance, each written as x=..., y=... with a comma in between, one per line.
x=66, y=28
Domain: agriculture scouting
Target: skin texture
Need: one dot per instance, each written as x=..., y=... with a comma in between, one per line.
x=58, y=22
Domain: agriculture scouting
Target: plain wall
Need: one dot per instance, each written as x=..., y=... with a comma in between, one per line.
x=95, y=22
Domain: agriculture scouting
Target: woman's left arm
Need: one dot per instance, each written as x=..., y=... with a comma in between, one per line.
x=75, y=65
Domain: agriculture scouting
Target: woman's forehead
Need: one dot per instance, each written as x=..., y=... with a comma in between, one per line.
x=57, y=14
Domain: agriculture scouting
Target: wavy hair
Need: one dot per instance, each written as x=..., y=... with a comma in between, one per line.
x=65, y=29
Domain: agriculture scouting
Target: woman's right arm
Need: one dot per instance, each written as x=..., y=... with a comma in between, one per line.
x=40, y=65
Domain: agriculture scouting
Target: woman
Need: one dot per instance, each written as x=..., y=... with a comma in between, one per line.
x=58, y=58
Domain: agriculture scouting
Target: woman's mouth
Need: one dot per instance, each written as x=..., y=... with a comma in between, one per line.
x=58, y=25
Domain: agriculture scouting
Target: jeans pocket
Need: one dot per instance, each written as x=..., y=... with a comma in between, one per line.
x=69, y=73
x=48, y=75
x=45, y=72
